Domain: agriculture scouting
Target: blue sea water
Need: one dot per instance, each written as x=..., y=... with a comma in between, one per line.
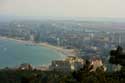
x=13, y=53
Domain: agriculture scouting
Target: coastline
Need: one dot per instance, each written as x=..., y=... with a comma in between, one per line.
x=66, y=52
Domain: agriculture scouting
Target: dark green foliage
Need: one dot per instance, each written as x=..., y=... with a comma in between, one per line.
x=117, y=56
x=81, y=76
x=18, y=76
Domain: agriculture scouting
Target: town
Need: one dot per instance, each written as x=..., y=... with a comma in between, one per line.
x=92, y=45
x=87, y=40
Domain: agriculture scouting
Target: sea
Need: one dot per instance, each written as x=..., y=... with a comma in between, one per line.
x=13, y=53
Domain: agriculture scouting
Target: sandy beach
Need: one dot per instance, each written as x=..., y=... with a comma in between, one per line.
x=17, y=40
x=66, y=52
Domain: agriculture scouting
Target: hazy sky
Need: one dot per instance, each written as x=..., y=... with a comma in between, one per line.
x=61, y=8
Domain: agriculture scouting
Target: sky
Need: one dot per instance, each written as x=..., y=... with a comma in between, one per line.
x=63, y=8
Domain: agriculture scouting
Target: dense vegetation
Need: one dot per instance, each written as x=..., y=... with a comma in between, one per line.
x=82, y=76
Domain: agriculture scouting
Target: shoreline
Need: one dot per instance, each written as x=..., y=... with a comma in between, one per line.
x=65, y=52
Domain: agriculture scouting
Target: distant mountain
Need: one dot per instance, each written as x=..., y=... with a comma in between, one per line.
x=6, y=18
x=106, y=24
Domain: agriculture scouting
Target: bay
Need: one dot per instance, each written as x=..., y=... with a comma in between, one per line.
x=13, y=53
